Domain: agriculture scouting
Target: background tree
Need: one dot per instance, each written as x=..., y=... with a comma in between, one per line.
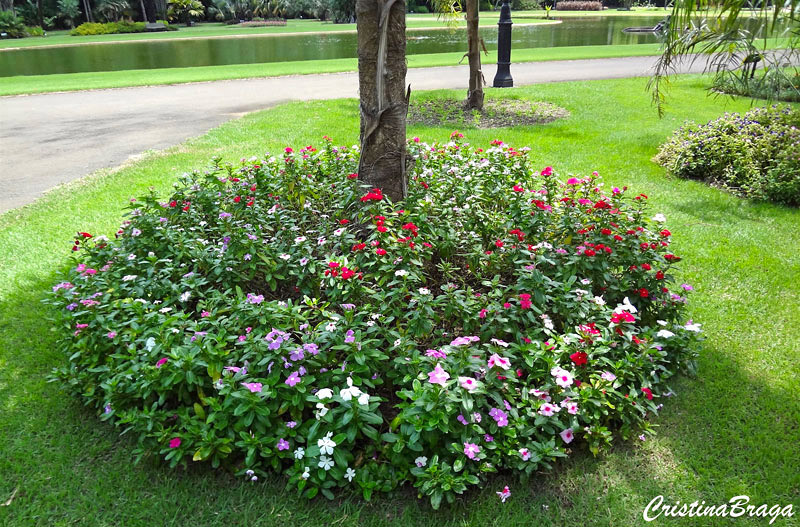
x=450, y=10
x=381, y=26
x=69, y=12
x=185, y=10
x=112, y=10
x=733, y=41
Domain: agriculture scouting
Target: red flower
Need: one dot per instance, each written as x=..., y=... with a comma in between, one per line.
x=84, y=235
x=644, y=293
x=498, y=244
x=344, y=222
x=525, y=301
x=548, y=171
x=646, y=266
x=605, y=231
x=375, y=194
x=237, y=199
x=616, y=318
x=660, y=275
x=579, y=358
x=333, y=265
x=359, y=247
x=380, y=252
x=347, y=273
x=517, y=188
x=352, y=176
x=173, y=203
x=411, y=227
x=424, y=185
x=665, y=233
x=381, y=228
x=648, y=393
x=589, y=252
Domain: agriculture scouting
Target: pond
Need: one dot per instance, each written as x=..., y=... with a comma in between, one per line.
x=184, y=53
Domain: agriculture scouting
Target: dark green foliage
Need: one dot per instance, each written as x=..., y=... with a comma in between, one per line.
x=579, y=6
x=12, y=25
x=755, y=154
x=96, y=28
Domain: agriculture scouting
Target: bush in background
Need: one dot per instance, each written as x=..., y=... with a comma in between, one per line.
x=12, y=25
x=754, y=155
x=107, y=28
x=579, y=6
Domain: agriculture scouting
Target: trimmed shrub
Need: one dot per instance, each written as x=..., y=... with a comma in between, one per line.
x=275, y=316
x=579, y=6
x=107, y=28
x=263, y=23
x=754, y=155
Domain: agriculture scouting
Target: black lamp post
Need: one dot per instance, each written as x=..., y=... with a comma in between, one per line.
x=503, y=77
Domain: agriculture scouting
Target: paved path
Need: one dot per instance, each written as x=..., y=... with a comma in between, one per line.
x=49, y=139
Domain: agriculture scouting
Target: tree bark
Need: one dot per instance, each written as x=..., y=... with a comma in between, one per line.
x=475, y=92
x=381, y=26
x=39, y=16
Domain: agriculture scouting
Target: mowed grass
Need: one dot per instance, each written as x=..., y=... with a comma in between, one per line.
x=117, y=79
x=731, y=431
x=218, y=29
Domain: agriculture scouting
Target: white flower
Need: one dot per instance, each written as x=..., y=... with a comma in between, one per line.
x=599, y=301
x=325, y=463
x=321, y=411
x=186, y=296
x=625, y=306
x=131, y=257
x=299, y=453
x=363, y=399
x=586, y=281
x=300, y=239
x=547, y=322
x=306, y=473
x=349, y=474
x=331, y=327
x=692, y=327
x=661, y=322
x=401, y=272
x=285, y=256
x=150, y=344
x=324, y=393
x=326, y=445
x=370, y=323
x=665, y=333
x=129, y=277
x=421, y=461
x=165, y=310
x=338, y=232
x=349, y=392
x=659, y=218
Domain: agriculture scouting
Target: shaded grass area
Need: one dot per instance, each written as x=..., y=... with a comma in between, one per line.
x=732, y=431
x=117, y=79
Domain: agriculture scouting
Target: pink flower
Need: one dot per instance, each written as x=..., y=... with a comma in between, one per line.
x=506, y=305
x=567, y=436
x=471, y=450
x=573, y=181
x=482, y=314
x=111, y=334
x=548, y=409
x=525, y=301
x=488, y=438
x=500, y=362
x=283, y=444
x=504, y=494
x=608, y=376
x=525, y=453
x=175, y=442
x=254, y=387
x=572, y=408
x=161, y=362
x=205, y=314
x=468, y=383
x=438, y=376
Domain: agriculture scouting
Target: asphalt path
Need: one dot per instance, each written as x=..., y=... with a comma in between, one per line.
x=53, y=138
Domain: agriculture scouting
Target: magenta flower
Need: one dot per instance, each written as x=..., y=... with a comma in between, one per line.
x=482, y=314
x=175, y=442
x=283, y=444
x=293, y=379
x=471, y=450
x=254, y=387
x=499, y=416
x=488, y=438
x=573, y=181
x=161, y=362
x=438, y=376
x=111, y=334
x=462, y=420
x=435, y=353
x=504, y=494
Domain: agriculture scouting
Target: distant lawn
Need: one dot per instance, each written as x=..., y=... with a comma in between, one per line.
x=217, y=29
x=731, y=431
x=117, y=79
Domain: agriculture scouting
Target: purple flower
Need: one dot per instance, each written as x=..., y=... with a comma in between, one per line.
x=462, y=420
x=499, y=416
x=464, y=341
x=311, y=348
x=488, y=438
x=349, y=337
x=348, y=307
x=297, y=354
x=72, y=306
x=687, y=287
x=291, y=424
x=254, y=299
x=283, y=444
x=471, y=450
x=293, y=379
x=254, y=387
x=435, y=353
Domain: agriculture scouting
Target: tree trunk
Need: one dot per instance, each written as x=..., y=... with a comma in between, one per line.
x=475, y=93
x=39, y=16
x=149, y=11
x=381, y=26
x=88, y=11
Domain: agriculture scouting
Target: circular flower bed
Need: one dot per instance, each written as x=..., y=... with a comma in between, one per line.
x=276, y=317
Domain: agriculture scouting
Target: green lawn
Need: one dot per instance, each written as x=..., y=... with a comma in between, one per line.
x=118, y=79
x=217, y=29
x=731, y=431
